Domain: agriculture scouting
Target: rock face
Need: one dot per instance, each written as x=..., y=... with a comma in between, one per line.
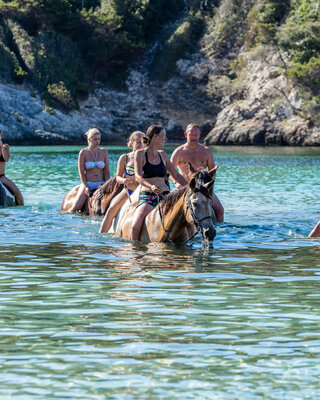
x=229, y=79
x=25, y=119
x=269, y=114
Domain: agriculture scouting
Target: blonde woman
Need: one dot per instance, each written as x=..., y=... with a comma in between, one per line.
x=125, y=176
x=4, y=158
x=93, y=166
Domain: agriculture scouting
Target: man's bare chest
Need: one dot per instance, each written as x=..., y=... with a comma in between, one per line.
x=196, y=158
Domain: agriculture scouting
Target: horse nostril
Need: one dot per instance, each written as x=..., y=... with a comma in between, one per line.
x=209, y=233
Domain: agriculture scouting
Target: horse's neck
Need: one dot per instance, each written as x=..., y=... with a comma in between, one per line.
x=174, y=221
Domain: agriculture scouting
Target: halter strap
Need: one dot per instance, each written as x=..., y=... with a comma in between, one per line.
x=95, y=157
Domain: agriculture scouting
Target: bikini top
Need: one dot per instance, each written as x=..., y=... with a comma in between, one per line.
x=153, y=171
x=2, y=158
x=95, y=163
x=129, y=169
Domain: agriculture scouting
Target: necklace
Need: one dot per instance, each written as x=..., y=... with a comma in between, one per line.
x=152, y=158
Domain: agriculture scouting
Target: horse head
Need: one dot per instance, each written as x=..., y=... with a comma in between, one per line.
x=199, y=202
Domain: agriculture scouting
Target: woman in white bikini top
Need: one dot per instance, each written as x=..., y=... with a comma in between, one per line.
x=93, y=166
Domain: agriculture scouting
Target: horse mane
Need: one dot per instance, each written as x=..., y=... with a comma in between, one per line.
x=202, y=176
x=171, y=199
x=108, y=186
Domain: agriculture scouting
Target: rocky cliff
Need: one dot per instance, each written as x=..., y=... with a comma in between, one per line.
x=246, y=71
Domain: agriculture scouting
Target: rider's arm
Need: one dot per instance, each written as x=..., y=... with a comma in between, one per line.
x=4, y=150
x=81, y=168
x=175, y=158
x=106, y=169
x=121, y=166
x=175, y=161
x=210, y=159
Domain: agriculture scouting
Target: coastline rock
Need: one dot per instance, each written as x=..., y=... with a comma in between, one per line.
x=268, y=115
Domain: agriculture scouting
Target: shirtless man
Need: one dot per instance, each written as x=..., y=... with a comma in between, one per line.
x=200, y=157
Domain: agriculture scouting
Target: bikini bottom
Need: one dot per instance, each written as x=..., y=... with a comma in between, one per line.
x=94, y=185
x=151, y=198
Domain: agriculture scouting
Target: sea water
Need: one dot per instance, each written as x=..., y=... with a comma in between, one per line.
x=88, y=316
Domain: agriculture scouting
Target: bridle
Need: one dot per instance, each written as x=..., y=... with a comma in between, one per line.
x=196, y=220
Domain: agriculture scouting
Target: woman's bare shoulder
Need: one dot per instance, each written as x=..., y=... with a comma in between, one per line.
x=163, y=154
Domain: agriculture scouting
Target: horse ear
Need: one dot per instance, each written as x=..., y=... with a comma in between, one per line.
x=213, y=171
x=192, y=170
x=192, y=184
x=209, y=185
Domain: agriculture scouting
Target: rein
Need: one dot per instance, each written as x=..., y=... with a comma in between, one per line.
x=196, y=221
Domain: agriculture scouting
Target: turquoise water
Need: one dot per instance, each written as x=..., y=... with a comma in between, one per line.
x=88, y=316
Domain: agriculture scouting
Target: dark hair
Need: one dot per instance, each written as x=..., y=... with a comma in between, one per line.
x=151, y=131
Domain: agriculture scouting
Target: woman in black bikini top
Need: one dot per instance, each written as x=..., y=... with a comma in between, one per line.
x=151, y=167
x=4, y=158
x=152, y=171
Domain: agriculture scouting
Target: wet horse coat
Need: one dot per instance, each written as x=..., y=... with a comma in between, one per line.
x=95, y=205
x=176, y=217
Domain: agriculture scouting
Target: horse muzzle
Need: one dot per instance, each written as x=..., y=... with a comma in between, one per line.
x=209, y=233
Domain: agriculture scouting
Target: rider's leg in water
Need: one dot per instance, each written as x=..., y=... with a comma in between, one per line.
x=139, y=215
x=113, y=210
x=80, y=199
x=218, y=208
x=13, y=189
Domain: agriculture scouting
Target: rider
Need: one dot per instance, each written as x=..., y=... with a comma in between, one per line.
x=4, y=158
x=93, y=166
x=151, y=166
x=125, y=176
x=315, y=231
x=200, y=157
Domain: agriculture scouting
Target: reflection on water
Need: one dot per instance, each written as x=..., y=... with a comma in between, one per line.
x=88, y=316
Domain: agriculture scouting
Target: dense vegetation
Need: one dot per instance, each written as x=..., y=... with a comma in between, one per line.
x=63, y=46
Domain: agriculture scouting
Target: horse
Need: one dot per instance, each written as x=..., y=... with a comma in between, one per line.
x=7, y=199
x=99, y=202
x=178, y=216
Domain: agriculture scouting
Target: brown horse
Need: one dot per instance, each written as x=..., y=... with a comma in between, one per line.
x=179, y=214
x=99, y=202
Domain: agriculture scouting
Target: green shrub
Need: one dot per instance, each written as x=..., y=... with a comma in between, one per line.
x=60, y=95
x=264, y=20
x=180, y=43
x=307, y=73
x=19, y=74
